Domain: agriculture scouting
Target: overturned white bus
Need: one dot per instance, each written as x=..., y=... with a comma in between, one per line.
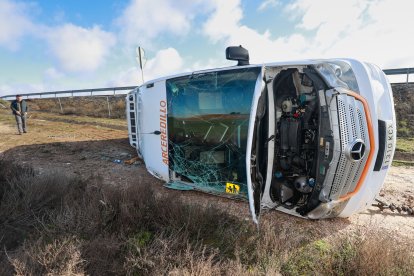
x=312, y=138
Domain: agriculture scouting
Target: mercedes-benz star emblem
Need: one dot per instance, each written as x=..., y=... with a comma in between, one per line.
x=356, y=150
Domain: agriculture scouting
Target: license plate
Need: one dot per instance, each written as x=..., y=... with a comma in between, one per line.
x=232, y=188
x=389, y=145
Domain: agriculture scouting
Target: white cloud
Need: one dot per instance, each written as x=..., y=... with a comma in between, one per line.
x=268, y=4
x=75, y=48
x=338, y=20
x=14, y=23
x=210, y=63
x=224, y=25
x=144, y=20
x=165, y=62
x=6, y=89
x=20, y=88
x=53, y=74
x=80, y=49
x=129, y=77
x=376, y=31
x=224, y=20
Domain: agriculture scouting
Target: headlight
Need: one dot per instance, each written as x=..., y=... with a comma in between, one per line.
x=338, y=74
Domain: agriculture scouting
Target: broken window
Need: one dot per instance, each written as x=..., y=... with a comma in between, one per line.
x=208, y=120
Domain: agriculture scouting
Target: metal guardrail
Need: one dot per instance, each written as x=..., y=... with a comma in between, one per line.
x=400, y=71
x=108, y=91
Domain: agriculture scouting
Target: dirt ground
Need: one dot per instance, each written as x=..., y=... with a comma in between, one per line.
x=89, y=147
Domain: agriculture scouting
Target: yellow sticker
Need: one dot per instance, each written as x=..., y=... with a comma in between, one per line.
x=232, y=188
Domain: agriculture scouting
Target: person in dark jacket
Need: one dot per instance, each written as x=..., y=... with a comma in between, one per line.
x=19, y=108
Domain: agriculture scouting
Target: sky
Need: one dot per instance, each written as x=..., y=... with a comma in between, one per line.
x=50, y=45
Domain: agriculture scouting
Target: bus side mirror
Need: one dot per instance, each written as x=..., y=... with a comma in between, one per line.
x=238, y=53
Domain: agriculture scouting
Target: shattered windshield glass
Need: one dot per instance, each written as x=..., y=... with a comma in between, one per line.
x=208, y=119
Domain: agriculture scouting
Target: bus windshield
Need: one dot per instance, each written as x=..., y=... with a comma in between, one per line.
x=208, y=120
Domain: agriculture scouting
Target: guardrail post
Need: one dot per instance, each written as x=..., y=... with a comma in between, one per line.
x=60, y=104
x=109, y=107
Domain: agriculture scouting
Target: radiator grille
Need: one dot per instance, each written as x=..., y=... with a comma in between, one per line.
x=353, y=126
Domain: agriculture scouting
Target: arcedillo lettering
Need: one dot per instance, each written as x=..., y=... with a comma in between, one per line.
x=163, y=130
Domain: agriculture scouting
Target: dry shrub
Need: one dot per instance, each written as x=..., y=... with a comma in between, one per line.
x=104, y=254
x=169, y=253
x=4, y=104
x=369, y=251
x=10, y=172
x=404, y=108
x=107, y=220
x=71, y=111
x=27, y=203
x=59, y=257
x=373, y=252
x=54, y=224
x=27, y=200
x=86, y=106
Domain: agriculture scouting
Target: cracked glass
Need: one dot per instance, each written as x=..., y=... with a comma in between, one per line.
x=208, y=120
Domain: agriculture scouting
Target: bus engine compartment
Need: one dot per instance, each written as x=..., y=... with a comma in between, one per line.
x=311, y=141
x=295, y=99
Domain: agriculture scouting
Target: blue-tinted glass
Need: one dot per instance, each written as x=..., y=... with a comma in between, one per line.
x=208, y=119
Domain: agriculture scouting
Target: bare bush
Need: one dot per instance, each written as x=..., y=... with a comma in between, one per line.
x=367, y=252
x=373, y=252
x=59, y=257
x=87, y=106
x=54, y=224
x=27, y=200
x=105, y=255
x=404, y=108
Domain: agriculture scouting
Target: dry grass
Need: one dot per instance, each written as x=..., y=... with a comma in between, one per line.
x=58, y=257
x=404, y=108
x=367, y=252
x=84, y=106
x=4, y=104
x=53, y=224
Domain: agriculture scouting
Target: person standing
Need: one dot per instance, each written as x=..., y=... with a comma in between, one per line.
x=19, y=108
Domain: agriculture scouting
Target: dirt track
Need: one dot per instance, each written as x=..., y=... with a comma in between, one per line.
x=88, y=149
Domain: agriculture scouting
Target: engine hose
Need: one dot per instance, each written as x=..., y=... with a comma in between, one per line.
x=310, y=108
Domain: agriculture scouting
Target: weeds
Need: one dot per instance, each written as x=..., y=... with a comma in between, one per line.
x=54, y=224
x=405, y=145
x=4, y=104
x=86, y=106
x=404, y=109
x=58, y=257
x=370, y=252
